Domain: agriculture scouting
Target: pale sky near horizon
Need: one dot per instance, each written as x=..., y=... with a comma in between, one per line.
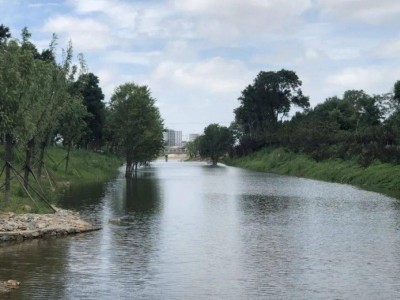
x=198, y=55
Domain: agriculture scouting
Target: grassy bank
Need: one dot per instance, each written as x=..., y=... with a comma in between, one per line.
x=378, y=176
x=84, y=167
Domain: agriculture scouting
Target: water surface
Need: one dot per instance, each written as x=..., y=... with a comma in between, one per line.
x=200, y=232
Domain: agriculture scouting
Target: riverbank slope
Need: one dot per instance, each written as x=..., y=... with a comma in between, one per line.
x=377, y=176
x=84, y=167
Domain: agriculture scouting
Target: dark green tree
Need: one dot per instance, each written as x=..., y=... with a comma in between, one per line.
x=267, y=101
x=215, y=142
x=88, y=87
x=4, y=34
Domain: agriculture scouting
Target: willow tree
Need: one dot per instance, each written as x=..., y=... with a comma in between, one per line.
x=136, y=125
x=60, y=102
x=71, y=124
x=16, y=77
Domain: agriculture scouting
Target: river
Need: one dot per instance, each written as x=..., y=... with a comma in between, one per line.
x=201, y=232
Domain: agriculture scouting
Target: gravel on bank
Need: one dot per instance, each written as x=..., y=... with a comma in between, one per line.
x=19, y=227
x=7, y=286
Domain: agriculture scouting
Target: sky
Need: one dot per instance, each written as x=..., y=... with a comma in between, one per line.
x=196, y=56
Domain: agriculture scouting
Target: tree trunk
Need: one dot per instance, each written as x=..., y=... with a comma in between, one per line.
x=8, y=158
x=43, y=145
x=30, y=147
x=128, y=169
x=67, y=158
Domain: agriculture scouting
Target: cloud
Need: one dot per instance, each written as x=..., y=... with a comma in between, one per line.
x=131, y=19
x=131, y=57
x=372, y=79
x=215, y=75
x=229, y=20
x=368, y=11
x=389, y=49
x=86, y=34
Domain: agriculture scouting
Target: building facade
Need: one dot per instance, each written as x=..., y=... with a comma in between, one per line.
x=173, y=138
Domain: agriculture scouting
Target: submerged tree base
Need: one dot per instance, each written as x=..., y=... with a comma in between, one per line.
x=377, y=176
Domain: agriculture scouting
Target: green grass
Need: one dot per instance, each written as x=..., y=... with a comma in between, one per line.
x=378, y=176
x=84, y=167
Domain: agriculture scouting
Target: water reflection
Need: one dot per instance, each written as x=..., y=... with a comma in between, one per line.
x=218, y=233
x=142, y=194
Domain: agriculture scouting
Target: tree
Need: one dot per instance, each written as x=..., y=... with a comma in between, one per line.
x=72, y=123
x=193, y=148
x=4, y=33
x=396, y=92
x=264, y=103
x=215, y=142
x=87, y=86
x=16, y=77
x=136, y=125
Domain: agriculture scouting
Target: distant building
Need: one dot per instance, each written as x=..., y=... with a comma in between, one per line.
x=173, y=138
x=193, y=136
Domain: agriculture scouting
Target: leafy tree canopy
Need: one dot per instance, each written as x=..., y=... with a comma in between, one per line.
x=88, y=87
x=135, y=125
x=215, y=142
x=265, y=102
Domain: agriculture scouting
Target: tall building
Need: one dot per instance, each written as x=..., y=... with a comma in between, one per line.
x=173, y=137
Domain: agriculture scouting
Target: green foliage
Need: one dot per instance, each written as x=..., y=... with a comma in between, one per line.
x=87, y=86
x=135, y=125
x=193, y=148
x=215, y=142
x=269, y=99
x=4, y=33
x=85, y=167
x=384, y=177
x=16, y=83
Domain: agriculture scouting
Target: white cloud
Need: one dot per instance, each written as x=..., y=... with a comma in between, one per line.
x=129, y=19
x=368, y=11
x=389, y=49
x=86, y=34
x=130, y=57
x=228, y=20
x=215, y=75
x=374, y=79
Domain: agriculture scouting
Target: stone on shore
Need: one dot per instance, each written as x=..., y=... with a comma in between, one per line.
x=15, y=227
x=8, y=286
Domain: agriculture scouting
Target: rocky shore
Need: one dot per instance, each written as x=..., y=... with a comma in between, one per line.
x=14, y=227
x=17, y=228
x=8, y=286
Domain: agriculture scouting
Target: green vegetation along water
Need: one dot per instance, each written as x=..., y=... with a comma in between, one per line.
x=377, y=176
x=84, y=167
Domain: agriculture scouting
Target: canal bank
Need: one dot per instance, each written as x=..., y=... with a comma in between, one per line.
x=377, y=176
x=58, y=175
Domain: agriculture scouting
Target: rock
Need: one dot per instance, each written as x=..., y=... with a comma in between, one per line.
x=28, y=226
x=8, y=286
x=13, y=282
